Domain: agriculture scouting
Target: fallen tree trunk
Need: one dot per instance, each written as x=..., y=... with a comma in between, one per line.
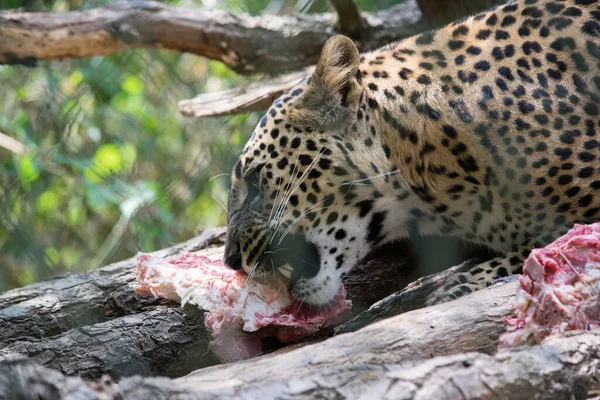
x=565, y=366
x=165, y=341
x=388, y=357
x=561, y=368
x=92, y=324
x=50, y=308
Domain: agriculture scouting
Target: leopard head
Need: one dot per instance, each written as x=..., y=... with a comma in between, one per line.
x=297, y=205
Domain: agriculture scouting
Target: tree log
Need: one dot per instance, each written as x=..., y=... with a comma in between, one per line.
x=50, y=308
x=124, y=334
x=165, y=341
x=376, y=362
x=561, y=368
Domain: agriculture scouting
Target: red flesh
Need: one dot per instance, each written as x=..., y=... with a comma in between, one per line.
x=559, y=288
x=234, y=309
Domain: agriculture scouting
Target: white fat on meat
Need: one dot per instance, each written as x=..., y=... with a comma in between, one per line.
x=239, y=312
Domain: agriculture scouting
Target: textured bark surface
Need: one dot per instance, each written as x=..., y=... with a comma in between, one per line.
x=246, y=98
x=166, y=341
x=245, y=44
x=92, y=324
x=563, y=367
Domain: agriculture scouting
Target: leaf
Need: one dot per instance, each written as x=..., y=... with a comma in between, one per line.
x=46, y=202
x=28, y=171
x=132, y=85
x=51, y=256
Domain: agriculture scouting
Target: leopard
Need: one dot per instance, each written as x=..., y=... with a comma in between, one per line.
x=485, y=130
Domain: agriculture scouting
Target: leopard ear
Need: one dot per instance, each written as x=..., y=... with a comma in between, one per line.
x=338, y=64
x=334, y=86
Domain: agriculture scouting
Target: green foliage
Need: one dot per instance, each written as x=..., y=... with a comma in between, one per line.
x=111, y=167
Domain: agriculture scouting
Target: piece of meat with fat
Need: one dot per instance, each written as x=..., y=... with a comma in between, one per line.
x=239, y=314
x=559, y=289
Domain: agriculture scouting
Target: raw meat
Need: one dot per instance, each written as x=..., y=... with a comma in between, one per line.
x=559, y=288
x=238, y=314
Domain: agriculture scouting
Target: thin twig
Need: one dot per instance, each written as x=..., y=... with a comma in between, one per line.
x=12, y=144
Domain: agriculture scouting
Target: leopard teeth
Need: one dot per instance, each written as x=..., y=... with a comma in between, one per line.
x=285, y=271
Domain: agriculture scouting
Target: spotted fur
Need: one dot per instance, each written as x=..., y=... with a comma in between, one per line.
x=486, y=129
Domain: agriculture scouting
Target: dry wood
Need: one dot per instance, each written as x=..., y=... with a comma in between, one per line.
x=245, y=44
x=375, y=362
x=561, y=368
x=124, y=334
x=246, y=98
x=165, y=341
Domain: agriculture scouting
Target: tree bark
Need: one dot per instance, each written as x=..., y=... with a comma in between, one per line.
x=251, y=97
x=245, y=44
x=165, y=341
x=92, y=324
x=562, y=367
x=386, y=357
x=51, y=308
x=269, y=44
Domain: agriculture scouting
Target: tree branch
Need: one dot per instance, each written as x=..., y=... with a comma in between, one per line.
x=245, y=44
x=349, y=20
x=246, y=98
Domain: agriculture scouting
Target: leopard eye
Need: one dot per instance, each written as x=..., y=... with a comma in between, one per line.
x=253, y=184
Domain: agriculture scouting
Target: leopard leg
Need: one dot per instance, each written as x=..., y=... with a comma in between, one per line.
x=469, y=278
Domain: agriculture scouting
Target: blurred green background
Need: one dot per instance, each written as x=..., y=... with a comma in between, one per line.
x=111, y=167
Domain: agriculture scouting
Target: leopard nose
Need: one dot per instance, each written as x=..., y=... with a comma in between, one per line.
x=233, y=257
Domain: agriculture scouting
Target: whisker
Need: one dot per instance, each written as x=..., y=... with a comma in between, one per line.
x=372, y=177
x=274, y=202
x=285, y=193
x=217, y=176
x=246, y=290
x=302, y=179
x=304, y=261
x=304, y=213
x=219, y=202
